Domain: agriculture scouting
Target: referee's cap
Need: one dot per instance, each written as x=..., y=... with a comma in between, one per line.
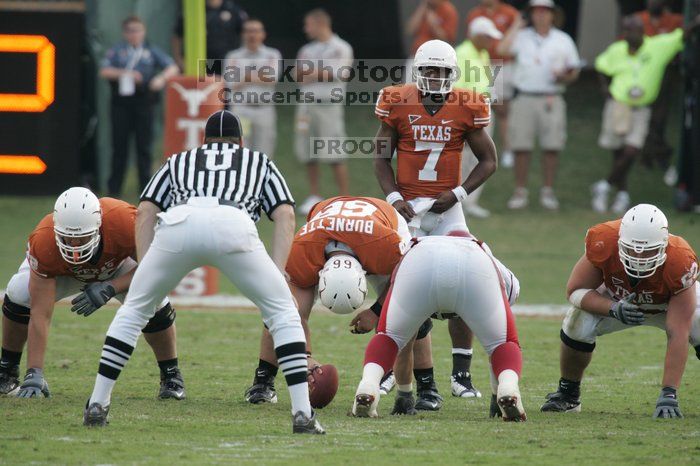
x=223, y=124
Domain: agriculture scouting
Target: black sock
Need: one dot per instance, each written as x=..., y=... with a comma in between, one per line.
x=461, y=363
x=570, y=387
x=10, y=358
x=697, y=351
x=167, y=365
x=265, y=371
x=424, y=378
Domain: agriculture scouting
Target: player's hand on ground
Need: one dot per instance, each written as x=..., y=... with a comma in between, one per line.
x=667, y=405
x=34, y=385
x=94, y=296
x=365, y=321
x=405, y=209
x=627, y=312
x=314, y=368
x=444, y=201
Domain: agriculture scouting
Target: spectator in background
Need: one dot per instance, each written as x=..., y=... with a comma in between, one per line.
x=546, y=60
x=658, y=19
x=503, y=16
x=324, y=119
x=632, y=70
x=433, y=19
x=251, y=93
x=224, y=22
x=474, y=61
x=137, y=72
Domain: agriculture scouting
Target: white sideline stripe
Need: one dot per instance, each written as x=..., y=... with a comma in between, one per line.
x=230, y=301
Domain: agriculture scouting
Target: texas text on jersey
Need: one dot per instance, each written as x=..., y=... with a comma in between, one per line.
x=679, y=271
x=367, y=225
x=117, y=233
x=429, y=146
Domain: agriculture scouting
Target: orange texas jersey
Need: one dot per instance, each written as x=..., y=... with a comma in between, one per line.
x=116, y=244
x=367, y=225
x=429, y=147
x=679, y=272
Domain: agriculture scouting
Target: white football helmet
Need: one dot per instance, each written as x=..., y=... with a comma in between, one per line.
x=342, y=284
x=77, y=217
x=643, y=240
x=438, y=54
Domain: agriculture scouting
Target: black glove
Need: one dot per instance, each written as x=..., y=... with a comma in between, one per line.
x=667, y=405
x=94, y=296
x=34, y=385
x=626, y=312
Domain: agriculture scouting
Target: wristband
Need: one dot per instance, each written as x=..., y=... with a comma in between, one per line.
x=376, y=308
x=393, y=197
x=460, y=192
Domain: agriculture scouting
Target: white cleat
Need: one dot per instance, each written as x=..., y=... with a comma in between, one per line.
x=599, y=196
x=509, y=400
x=548, y=199
x=621, y=203
x=308, y=204
x=476, y=211
x=387, y=384
x=366, y=401
x=519, y=199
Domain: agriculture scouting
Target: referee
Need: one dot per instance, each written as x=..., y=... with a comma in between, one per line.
x=199, y=209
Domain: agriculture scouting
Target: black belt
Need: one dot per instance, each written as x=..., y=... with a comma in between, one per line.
x=225, y=202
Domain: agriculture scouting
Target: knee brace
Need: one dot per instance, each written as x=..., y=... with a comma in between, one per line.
x=577, y=345
x=15, y=312
x=162, y=320
x=424, y=329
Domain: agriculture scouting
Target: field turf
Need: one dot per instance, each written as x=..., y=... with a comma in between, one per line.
x=218, y=353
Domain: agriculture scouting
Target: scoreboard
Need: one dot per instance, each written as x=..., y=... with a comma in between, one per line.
x=40, y=100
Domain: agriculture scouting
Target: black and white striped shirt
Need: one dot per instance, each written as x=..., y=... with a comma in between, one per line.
x=225, y=171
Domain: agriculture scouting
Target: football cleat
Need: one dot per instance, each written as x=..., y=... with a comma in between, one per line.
x=428, y=398
x=172, y=386
x=261, y=393
x=462, y=386
x=508, y=397
x=366, y=401
x=494, y=409
x=387, y=384
x=404, y=404
x=95, y=415
x=559, y=402
x=303, y=424
x=9, y=380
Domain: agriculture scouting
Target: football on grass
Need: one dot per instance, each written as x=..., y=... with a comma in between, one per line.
x=324, y=387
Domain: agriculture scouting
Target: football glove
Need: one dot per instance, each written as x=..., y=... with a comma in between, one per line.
x=94, y=296
x=34, y=385
x=667, y=405
x=626, y=312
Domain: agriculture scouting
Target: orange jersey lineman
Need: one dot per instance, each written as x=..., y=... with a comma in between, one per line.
x=678, y=272
x=429, y=147
x=369, y=226
x=117, y=243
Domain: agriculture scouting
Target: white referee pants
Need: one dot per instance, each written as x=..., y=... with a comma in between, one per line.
x=205, y=233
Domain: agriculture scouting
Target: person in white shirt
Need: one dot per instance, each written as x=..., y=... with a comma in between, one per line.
x=326, y=117
x=252, y=91
x=546, y=60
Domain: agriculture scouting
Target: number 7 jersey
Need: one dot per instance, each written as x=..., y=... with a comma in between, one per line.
x=429, y=147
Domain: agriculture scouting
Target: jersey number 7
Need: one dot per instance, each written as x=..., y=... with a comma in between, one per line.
x=428, y=172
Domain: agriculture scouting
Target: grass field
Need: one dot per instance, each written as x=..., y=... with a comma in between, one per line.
x=218, y=352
